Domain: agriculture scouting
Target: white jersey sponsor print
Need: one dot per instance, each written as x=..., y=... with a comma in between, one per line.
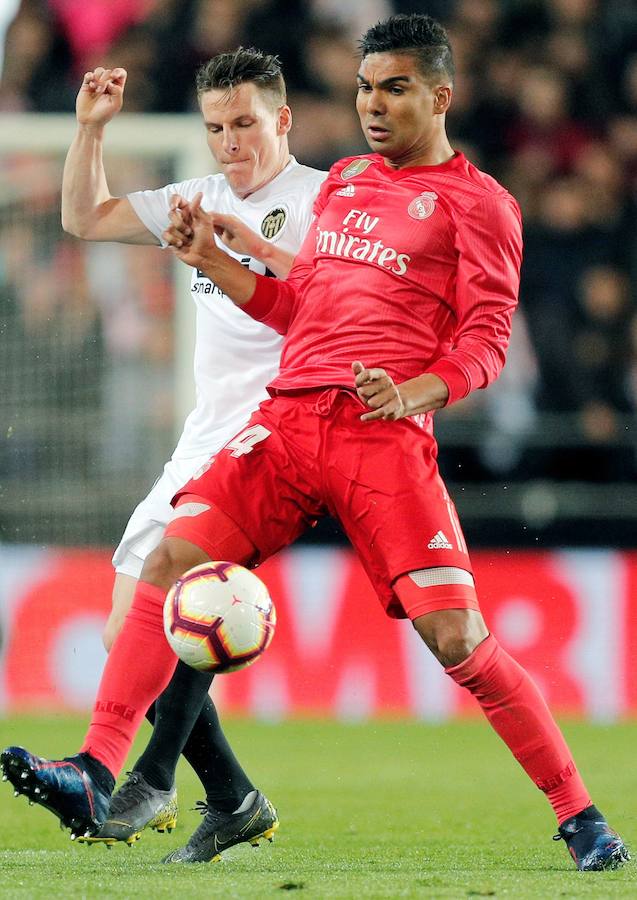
x=342, y=243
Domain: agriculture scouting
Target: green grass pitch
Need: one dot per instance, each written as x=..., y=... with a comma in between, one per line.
x=380, y=809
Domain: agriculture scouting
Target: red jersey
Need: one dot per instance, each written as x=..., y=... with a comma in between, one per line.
x=414, y=270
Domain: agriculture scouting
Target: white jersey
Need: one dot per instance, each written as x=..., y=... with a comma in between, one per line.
x=235, y=356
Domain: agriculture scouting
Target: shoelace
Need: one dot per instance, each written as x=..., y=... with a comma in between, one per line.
x=133, y=790
x=201, y=807
x=563, y=837
x=211, y=816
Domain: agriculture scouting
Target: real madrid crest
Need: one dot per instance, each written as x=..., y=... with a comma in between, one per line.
x=273, y=223
x=423, y=206
x=355, y=168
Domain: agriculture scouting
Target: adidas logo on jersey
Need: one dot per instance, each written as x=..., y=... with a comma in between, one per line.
x=348, y=191
x=439, y=542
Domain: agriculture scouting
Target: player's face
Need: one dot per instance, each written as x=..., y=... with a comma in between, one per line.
x=247, y=135
x=401, y=112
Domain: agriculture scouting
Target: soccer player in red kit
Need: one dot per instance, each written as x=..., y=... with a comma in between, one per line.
x=413, y=263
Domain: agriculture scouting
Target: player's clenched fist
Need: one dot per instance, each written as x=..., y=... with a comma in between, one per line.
x=377, y=390
x=101, y=96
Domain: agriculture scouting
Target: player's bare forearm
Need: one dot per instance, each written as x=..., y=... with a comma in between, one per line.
x=277, y=260
x=89, y=211
x=84, y=185
x=423, y=394
x=390, y=401
x=233, y=279
x=236, y=235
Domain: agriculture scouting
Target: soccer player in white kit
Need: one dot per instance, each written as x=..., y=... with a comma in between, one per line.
x=243, y=103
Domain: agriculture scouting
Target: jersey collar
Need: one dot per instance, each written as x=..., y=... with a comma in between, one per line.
x=259, y=195
x=458, y=161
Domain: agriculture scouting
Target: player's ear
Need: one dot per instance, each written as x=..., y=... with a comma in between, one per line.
x=285, y=120
x=442, y=98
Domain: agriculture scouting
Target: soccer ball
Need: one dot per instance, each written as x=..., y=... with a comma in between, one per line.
x=218, y=617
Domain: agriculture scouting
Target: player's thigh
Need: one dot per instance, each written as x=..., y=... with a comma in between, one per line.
x=266, y=479
x=394, y=506
x=122, y=598
x=146, y=525
x=198, y=524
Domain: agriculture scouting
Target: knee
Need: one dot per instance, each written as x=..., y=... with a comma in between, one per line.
x=452, y=635
x=452, y=649
x=170, y=559
x=159, y=566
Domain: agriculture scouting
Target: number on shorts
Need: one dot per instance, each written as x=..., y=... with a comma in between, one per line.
x=244, y=442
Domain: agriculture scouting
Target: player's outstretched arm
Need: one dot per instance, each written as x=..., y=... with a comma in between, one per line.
x=191, y=235
x=89, y=211
x=391, y=401
x=241, y=239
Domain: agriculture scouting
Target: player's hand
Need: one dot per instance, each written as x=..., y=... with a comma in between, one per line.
x=238, y=237
x=391, y=401
x=378, y=391
x=101, y=96
x=179, y=233
x=199, y=249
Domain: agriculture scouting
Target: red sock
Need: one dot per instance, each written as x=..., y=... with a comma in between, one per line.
x=137, y=670
x=517, y=711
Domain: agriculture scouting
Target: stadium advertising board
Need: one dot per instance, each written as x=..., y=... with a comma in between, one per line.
x=569, y=617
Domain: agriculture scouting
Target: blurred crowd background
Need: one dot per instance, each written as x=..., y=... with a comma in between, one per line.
x=545, y=100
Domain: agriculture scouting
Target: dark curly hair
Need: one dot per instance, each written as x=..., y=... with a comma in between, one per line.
x=416, y=34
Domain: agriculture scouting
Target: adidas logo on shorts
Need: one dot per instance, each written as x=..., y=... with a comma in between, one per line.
x=439, y=542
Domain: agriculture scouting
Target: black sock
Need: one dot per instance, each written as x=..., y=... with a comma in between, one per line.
x=150, y=713
x=186, y=721
x=98, y=772
x=591, y=812
x=175, y=713
x=212, y=758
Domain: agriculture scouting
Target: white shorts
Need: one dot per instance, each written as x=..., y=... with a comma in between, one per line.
x=146, y=526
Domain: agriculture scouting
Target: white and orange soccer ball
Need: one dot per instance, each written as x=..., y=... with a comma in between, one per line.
x=219, y=617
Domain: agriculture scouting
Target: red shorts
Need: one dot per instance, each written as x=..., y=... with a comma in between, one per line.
x=307, y=455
